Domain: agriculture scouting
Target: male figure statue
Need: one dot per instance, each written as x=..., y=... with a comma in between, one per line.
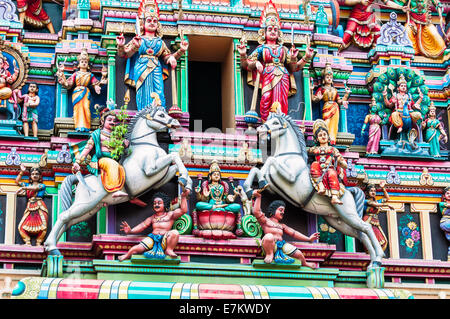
x=163, y=239
x=274, y=247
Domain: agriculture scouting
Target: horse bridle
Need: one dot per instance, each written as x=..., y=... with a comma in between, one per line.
x=149, y=117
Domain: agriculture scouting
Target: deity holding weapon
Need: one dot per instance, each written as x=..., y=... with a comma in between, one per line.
x=332, y=102
x=272, y=64
x=148, y=57
x=372, y=208
x=35, y=218
x=81, y=95
x=406, y=112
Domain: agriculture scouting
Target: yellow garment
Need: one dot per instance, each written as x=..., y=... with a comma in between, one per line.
x=112, y=174
x=426, y=40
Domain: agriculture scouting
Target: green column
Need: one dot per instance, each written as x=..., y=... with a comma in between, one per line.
x=102, y=221
x=111, y=73
x=349, y=244
x=307, y=93
x=83, y=6
x=61, y=101
x=182, y=83
x=238, y=81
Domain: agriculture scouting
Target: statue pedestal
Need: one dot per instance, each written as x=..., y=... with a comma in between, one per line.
x=259, y=263
x=375, y=277
x=167, y=260
x=11, y=128
x=216, y=224
x=404, y=149
x=54, y=267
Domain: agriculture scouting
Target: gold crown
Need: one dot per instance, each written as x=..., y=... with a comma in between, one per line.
x=318, y=124
x=432, y=107
x=148, y=8
x=269, y=16
x=327, y=70
x=83, y=55
x=401, y=80
x=214, y=167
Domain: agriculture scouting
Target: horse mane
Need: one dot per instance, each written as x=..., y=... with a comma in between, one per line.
x=300, y=136
x=139, y=115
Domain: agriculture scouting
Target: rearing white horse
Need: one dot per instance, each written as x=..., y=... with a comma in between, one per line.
x=287, y=175
x=147, y=167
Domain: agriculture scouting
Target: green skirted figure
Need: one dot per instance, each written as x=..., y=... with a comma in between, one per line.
x=216, y=215
x=434, y=131
x=213, y=193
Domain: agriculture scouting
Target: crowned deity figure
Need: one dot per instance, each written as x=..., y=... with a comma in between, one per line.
x=33, y=13
x=329, y=165
x=434, y=131
x=331, y=102
x=363, y=27
x=373, y=120
x=111, y=172
x=35, y=217
x=148, y=57
x=274, y=62
x=81, y=95
x=423, y=34
x=405, y=112
x=372, y=208
x=6, y=81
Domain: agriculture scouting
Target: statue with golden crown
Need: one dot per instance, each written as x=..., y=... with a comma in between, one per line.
x=148, y=57
x=331, y=102
x=81, y=95
x=273, y=63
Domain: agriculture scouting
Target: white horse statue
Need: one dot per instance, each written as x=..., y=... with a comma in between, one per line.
x=286, y=173
x=147, y=167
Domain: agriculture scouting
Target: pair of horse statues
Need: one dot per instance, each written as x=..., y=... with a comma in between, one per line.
x=149, y=167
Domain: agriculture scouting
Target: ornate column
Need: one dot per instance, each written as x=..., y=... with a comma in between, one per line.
x=111, y=95
x=238, y=85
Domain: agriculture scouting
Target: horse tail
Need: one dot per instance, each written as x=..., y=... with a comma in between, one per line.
x=65, y=193
x=359, y=197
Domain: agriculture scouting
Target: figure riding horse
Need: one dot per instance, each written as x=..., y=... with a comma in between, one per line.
x=286, y=173
x=147, y=167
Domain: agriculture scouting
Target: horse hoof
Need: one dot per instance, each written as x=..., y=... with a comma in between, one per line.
x=182, y=181
x=249, y=193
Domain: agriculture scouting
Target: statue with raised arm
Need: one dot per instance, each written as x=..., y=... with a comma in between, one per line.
x=81, y=95
x=148, y=57
x=275, y=248
x=163, y=239
x=372, y=208
x=273, y=63
x=331, y=102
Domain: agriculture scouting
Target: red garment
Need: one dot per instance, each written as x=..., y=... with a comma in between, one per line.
x=322, y=156
x=35, y=13
x=362, y=27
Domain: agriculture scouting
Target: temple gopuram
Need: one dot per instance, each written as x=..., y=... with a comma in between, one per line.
x=224, y=149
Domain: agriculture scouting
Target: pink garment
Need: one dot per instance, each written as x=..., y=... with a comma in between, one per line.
x=374, y=134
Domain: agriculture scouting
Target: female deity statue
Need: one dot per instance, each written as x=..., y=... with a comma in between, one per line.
x=35, y=218
x=372, y=208
x=81, y=95
x=423, y=34
x=434, y=131
x=274, y=62
x=444, y=208
x=403, y=115
x=329, y=165
x=363, y=27
x=374, y=120
x=330, y=96
x=214, y=200
x=148, y=56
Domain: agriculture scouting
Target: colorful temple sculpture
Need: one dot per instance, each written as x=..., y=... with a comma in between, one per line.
x=224, y=149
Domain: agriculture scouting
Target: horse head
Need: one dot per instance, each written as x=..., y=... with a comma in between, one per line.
x=275, y=126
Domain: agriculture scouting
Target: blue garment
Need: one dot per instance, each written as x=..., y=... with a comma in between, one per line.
x=157, y=250
x=146, y=70
x=280, y=257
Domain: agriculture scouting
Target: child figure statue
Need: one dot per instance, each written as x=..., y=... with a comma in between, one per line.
x=274, y=247
x=163, y=239
x=31, y=101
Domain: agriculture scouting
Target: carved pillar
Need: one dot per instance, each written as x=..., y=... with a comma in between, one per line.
x=111, y=73
x=307, y=113
x=182, y=83
x=238, y=82
x=61, y=101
